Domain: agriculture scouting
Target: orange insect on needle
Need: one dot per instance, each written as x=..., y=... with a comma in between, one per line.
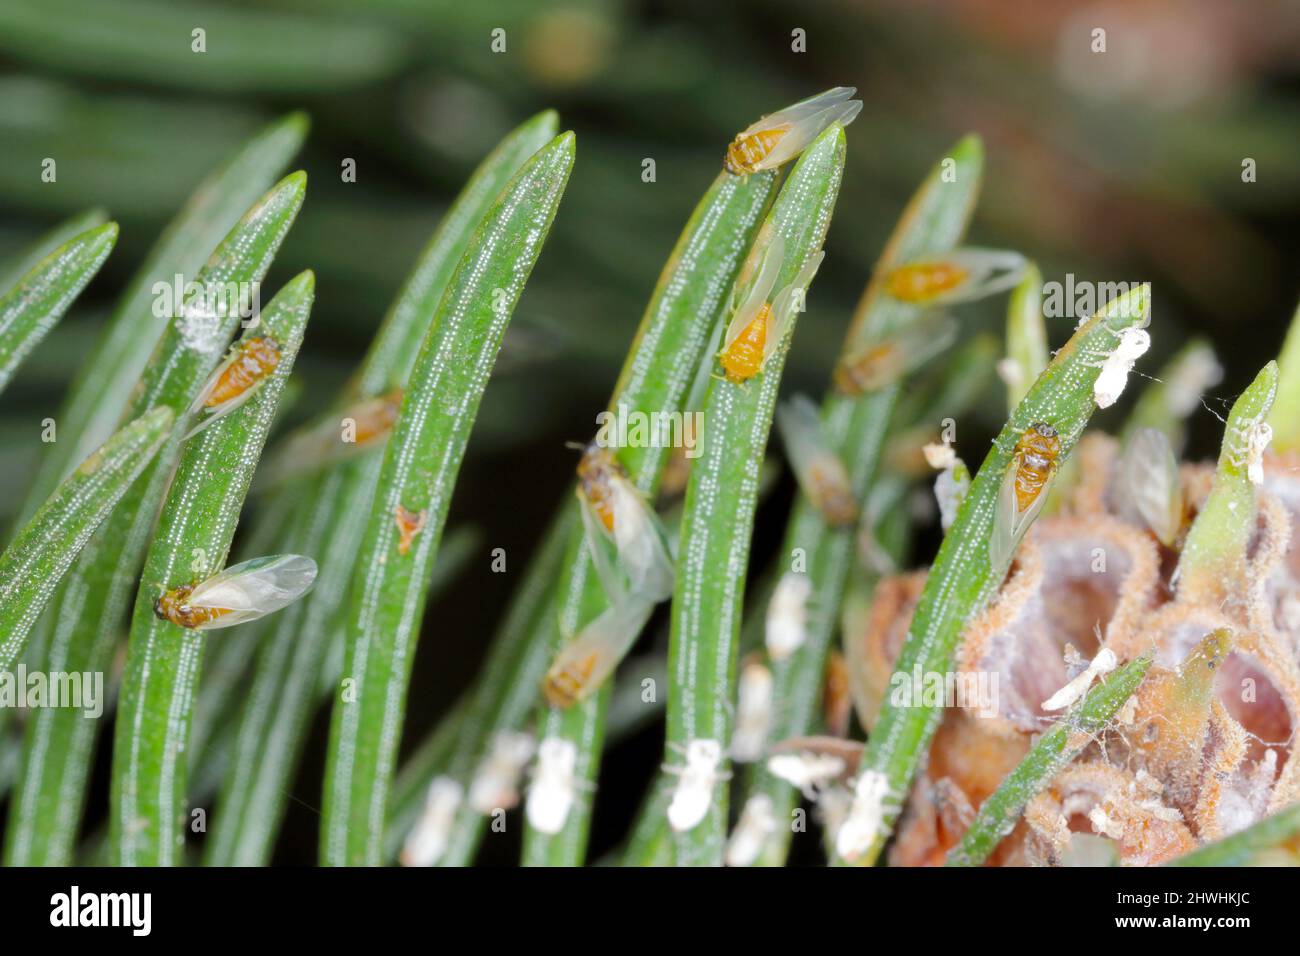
x=566, y=684
x=924, y=281
x=375, y=417
x=409, y=524
x=746, y=152
x=1023, y=492
x=597, y=469
x=961, y=275
x=760, y=319
x=252, y=361
x=242, y=592
x=779, y=138
x=174, y=606
x=1036, y=454
x=743, y=358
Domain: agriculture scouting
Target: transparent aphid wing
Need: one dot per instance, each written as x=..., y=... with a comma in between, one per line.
x=255, y=588
x=788, y=302
x=810, y=454
x=927, y=337
x=205, y=392
x=834, y=98
x=1009, y=522
x=1198, y=371
x=304, y=450
x=596, y=651
x=601, y=549
x=1147, y=489
x=210, y=415
x=759, y=290
x=963, y=275
x=885, y=360
x=799, y=422
x=224, y=409
x=807, y=126
x=641, y=542
x=321, y=442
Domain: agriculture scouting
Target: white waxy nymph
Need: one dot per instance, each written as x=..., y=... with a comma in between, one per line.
x=693, y=794
x=1258, y=435
x=757, y=822
x=939, y=455
x=950, y=489
x=1102, y=664
x=429, y=838
x=496, y=781
x=866, y=816
x=753, y=712
x=808, y=771
x=787, y=615
x=555, y=786
x=1110, y=383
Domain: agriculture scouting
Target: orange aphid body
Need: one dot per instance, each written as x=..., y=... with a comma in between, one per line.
x=747, y=151
x=922, y=281
x=171, y=606
x=254, y=361
x=1036, y=454
x=743, y=358
x=562, y=686
x=595, y=469
x=375, y=417
x=409, y=524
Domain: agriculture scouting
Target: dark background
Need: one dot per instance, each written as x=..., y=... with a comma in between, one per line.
x=1122, y=166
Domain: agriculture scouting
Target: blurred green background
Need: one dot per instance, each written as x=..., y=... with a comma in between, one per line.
x=1116, y=166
